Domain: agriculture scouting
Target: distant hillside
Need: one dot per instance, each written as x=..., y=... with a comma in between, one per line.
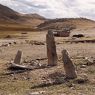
x=7, y=14
x=33, y=19
x=34, y=16
x=64, y=22
x=9, y=19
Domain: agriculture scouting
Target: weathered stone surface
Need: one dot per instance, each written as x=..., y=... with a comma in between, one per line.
x=68, y=65
x=17, y=59
x=51, y=49
x=90, y=61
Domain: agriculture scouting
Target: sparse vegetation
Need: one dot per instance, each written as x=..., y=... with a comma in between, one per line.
x=25, y=33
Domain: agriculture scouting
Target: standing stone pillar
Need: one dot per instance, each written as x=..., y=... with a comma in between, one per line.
x=17, y=59
x=68, y=66
x=51, y=49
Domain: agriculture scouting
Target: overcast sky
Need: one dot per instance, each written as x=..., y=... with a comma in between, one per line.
x=54, y=8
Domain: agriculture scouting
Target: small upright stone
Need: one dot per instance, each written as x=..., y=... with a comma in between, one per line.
x=51, y=49
x=17, y=59
x=68, y=66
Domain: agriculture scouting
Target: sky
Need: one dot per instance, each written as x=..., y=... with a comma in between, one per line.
x=54, y=8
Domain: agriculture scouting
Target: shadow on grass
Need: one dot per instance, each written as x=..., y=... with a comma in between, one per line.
x=46, y=85
x=55, y=78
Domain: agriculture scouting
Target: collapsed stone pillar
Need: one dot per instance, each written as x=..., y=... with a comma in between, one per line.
x=17, y=59
x=51, y=49
x=68, y=66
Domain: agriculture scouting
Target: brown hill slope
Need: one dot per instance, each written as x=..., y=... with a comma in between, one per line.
x=33, y=19
x=9, y=19
x=34, y=16
x=61, y=23
x=7, y=14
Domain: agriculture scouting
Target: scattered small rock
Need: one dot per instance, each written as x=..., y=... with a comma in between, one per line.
x=15, y=42
x=36, y=43
x=37, y=93
x=83, y=66
x=34, y=93
x=81, y=80
x=8, y=36
x=90, y=61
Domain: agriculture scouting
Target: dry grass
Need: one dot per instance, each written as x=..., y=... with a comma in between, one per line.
x=28, y=82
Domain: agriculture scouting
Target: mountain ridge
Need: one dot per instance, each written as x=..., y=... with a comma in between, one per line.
x=9, y=15
x=63, y=22
x=12, y=19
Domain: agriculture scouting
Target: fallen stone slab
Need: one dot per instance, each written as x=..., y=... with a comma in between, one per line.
x=14, y=66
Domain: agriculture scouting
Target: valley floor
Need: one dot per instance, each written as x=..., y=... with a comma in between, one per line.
x=33, y=46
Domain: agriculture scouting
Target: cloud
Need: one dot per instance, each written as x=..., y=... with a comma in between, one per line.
x=54, y=8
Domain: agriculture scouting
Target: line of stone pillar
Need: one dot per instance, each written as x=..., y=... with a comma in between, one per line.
x=69, y=67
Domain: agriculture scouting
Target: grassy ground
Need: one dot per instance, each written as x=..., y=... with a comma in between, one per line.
x=29, y=82
x=20, y=84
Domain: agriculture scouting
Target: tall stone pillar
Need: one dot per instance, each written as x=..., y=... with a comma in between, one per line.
x=51, y=49
x=17, y=59
x=68, y=66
